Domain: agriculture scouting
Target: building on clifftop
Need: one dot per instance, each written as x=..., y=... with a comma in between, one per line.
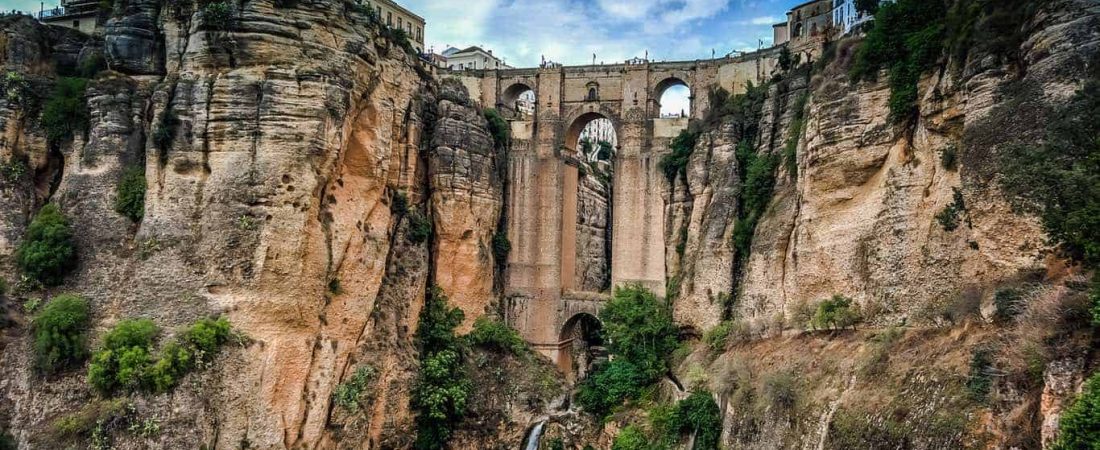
x=80, y=15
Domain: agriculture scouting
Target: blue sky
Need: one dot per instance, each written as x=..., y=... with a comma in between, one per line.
x=570, y=31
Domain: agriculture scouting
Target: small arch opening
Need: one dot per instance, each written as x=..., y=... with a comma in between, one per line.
x=581, y=347
x=518, y=102
x=674, y=99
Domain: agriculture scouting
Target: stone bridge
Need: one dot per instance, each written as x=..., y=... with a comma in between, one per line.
x=545, y=299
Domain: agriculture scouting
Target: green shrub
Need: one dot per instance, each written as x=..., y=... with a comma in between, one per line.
x=47, y=253
x=495, y=334
x=65, y=112
x=758, y=185
x=717, y=338
x=60, y=333
x=123, y=358
x=950, y=215
x=498, y=128
x=632, y=438
x=906, y=38
x=3, y=287
x=165, y=132
x=1059, y=180
x=675, y=163
x=639, y=328
x=501, y=247
x=790, y=152
x=206, y=336
x=126, y=361
x=347, y=394
x=1008, y=303
x=217, y=15
x=1078, y=426
x=400, y=204
x=698, y=414
x=83, y=422
x=980, y=381
x=611, y=385
x=131, y=194
x=420, y=228
x=442, y=387
x=836, y=313
x=950, y=158
x=781, y=392
x=640, y=334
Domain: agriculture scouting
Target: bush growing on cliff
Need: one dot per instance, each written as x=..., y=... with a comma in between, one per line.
x=501, y=247
x=907, y=39
x=420, y=228
x=675, y=163
x=494, y=334
x=131, y=194
x=836, y=313
x=950, y=215
x=347, y=394
x=640, y=334
x=1078, y=428
x=60, y=333
x=217, y=15
x=498, y=128
x=697, y=414
x=47, y=253
x=442, y=386
x=126, y=359
x=65, y=112
x=123, y=358
x=758, y=185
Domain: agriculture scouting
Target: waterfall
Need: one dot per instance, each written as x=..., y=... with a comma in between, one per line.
x=531, y=441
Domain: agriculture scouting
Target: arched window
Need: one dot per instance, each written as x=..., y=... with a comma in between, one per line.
x=593, y=92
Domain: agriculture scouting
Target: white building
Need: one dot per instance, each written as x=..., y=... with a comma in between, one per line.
x=846, y=18
x=83, y=15
x=473, y=58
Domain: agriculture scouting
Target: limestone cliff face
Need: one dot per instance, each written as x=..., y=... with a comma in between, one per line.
x=859, y=218
x=273, y=149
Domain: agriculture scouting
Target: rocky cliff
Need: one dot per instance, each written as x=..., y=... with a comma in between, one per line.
x=307, y=179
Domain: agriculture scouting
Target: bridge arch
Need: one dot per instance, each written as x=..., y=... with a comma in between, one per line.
x=587, y=189
x=581, y=344
x=518, y=100
x=664, y=86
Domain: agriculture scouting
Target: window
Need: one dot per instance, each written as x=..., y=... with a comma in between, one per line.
x=399, y=23
x=593, y=92
x=419, y=34
x=389, y=19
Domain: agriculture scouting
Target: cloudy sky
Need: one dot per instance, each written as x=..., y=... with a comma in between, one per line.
x=571, y=31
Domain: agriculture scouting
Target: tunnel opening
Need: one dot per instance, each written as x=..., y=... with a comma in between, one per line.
x=587, y=212
x=674, y=99
x=582, y=346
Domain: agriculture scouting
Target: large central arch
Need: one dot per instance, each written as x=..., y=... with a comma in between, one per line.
x=587, y=205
